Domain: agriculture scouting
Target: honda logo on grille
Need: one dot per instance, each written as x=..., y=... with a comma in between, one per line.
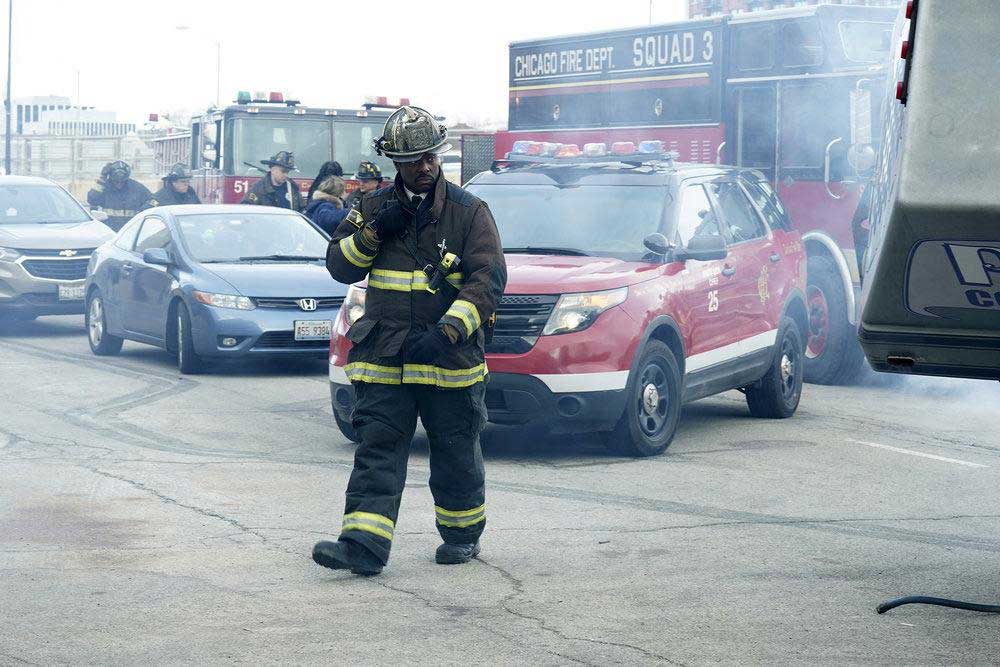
x=67, y=253
x=307, y=304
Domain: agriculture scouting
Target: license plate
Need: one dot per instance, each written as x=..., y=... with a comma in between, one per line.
x=313, y=329
x=71, y=292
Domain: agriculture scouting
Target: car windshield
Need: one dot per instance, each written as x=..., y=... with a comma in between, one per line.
x=602, y=220
x=236, y=237
x=354, y=143
x=260, y=138
x=38, y=204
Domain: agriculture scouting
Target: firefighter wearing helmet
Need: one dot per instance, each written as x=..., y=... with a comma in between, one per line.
x=435, y=268
x=176, y=188
x=276, y=188
x=117, y=194
x=369, y=178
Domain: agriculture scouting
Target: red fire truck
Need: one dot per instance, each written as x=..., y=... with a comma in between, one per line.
x=228, y=144
x=786, y=92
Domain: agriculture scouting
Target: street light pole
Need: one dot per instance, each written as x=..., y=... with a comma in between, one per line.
x=6, y=104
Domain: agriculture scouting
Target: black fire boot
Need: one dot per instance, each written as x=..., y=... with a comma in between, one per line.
x=455, y=554
x=346, y=555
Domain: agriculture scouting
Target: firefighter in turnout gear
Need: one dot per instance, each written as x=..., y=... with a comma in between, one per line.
x=276, y=188
x=117, y=194
x=176, y=188
x=369, y=179
x=417, y=351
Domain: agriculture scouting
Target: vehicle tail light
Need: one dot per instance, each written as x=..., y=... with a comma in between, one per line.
x=275, y=97
x=651, y=146
x=622, y=148
x=909, y=9
x=595, y=150
x=568, y=150
x=905, y=50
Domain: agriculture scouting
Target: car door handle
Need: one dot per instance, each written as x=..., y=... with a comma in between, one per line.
x=775, y=257
x=729, y=271
x=127, y=267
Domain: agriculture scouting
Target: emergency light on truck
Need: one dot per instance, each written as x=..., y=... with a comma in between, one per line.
x=652, y=149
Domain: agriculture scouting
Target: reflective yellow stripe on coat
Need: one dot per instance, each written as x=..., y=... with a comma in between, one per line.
x=407, y=281
x=466, y=313
x=354, y=254
x=445, y=378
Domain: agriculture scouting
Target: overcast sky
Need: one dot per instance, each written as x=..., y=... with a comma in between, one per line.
x=447, y=55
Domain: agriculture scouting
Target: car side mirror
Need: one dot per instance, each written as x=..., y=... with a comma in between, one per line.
x=100, y=216
x=157, y=256
x=657, y=244
x=702, y=249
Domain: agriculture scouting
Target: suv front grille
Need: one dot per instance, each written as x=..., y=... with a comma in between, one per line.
x=520, y=320
x=34, y=252
x=293, y=304
x=57, y=269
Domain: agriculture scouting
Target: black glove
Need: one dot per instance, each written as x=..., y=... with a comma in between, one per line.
x=390, y=219
x=425, y=347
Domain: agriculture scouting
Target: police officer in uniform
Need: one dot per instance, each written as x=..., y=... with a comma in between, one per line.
x=369, y=179
x=176, y=188
x=117, y=194
x=416, y=352
x=276, y=188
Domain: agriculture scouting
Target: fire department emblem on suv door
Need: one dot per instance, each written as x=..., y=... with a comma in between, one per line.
x=762, y=290
x=307, y=304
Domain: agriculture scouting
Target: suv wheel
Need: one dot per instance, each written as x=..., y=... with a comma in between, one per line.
x=101, y=342
x=188, y=361
x=776, y=395
x=833, y=354
x=652, y=406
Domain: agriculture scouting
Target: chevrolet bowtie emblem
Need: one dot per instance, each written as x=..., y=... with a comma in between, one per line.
x=67, y=253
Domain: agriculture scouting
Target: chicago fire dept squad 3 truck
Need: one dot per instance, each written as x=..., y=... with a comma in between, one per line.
x=785, y=92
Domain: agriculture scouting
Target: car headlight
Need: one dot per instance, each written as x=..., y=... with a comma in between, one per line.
x=8, y=254
x=354, y=303
x=224, y=300
x=576, y=312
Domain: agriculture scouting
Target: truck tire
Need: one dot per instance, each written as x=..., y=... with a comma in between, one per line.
x=833, y=354
x=346, y=429
x=776, y=395
x=652, y=405
x=101, y=342
x=188, y=361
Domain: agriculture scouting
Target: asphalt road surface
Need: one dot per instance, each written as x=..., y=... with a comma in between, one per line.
x=149, y=517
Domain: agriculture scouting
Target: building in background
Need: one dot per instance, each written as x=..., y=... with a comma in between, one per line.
x=701, y=8
x=53, y=138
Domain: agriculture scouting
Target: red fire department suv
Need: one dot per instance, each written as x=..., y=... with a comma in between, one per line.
x=635, y=284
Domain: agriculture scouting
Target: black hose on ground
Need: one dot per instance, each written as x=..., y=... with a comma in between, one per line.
x=941, y=602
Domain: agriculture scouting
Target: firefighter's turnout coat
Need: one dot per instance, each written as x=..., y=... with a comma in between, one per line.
x=398, y=301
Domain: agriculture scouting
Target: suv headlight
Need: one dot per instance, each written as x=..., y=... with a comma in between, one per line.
x=224, y=300
x=576, y=312
x=354, y=304
x=8, y=254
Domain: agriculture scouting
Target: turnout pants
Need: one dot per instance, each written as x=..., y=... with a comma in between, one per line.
x=385, y=417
